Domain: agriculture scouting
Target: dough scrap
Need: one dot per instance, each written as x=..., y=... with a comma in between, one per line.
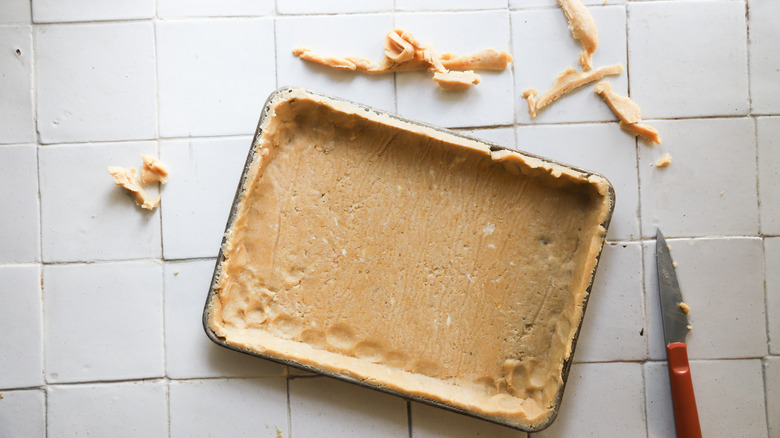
x=566, y=82
x=154, y=170
x=582, y=28
x=664, y=161
x=647, y=132
x=626, y=109
x=128, y=178
x=404, y=52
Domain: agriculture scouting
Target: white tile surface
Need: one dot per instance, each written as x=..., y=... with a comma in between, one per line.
x=544, y=48
x=228, y=408
x=448, y=5
x=710, y=53
x=198, y=196
x=501, y=136
x=95, y=82
x=344, y=410
x=209, y=8
x=22, y=414
x=85, y=216
x=772, y=382
x=129, y=409
x=613, y=327
x=710, y=186
x=21, y=347
x=486, y=104
x=587, y=398
x=56, y=11
x=771, y=264
x=16, y=106
x=332, y=6
x=214, y=75
x=722, y=281
x=431, y=422
x=103, y=321
x=768, y=133
x=20, y=228
x=602, y=148
x=15, y=11
x=736, y=382
x=189, y=353
x=317, y=33
x=764, y=56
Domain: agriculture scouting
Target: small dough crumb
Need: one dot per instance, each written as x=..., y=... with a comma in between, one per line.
x=688, y=327
x=647, y=132
x=404, y=52
x=154, y=170
x=664, y=161
x=2, y=395
x=582, y=28
x=685, y=308
x=674, y=264
x=128, y=178
x=176, y=272
x=566, y=82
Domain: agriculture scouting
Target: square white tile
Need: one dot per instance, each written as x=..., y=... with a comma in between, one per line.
x=544, y=48
x=199, y=194
x=602, y=148
x=501, y=136
x=343, y=409
x=85, y=216
x=709, y=41
x=768, y=139
x=332, y=6
x=128, y=409
x=95, y=82
x=448, y=5
x=23, y=414
x=430, y=422
x=601, y=410
x=21, y=346
x=772, y=382
x=488, y=103
x=16, y=106
x=526, y=4
x=317, y=33
x=209, y=8
x=56, y=11
x=771, y=263
x=214, y=75
x=722, y=280
x=15, y=11
x=230, y=408
x=735, y=382
x=19, y=230
x=764, y=56
x=103, y=321
x=188, y=352
x=710, y=186
x=613, y=327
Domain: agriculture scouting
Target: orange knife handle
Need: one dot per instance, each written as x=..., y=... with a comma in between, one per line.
x=686, y=416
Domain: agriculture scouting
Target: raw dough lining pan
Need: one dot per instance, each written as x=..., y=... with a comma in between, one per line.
x=508, y=392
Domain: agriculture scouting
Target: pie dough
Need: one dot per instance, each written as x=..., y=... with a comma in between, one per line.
x=408, y=258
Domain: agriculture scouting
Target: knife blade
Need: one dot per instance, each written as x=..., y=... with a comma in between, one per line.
x=675, y=321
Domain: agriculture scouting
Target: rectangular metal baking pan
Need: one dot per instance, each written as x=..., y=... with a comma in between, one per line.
x=286, y=361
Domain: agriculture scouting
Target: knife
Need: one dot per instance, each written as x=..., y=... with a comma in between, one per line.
x=675, y=320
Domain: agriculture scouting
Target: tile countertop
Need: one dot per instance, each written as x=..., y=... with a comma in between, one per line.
x=102, y=301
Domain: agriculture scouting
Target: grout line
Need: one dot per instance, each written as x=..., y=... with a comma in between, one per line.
x=628, y=76
x=764, y=366
x=409, y=417
x=747, y=56
x=289, y=409
x=644, y=400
